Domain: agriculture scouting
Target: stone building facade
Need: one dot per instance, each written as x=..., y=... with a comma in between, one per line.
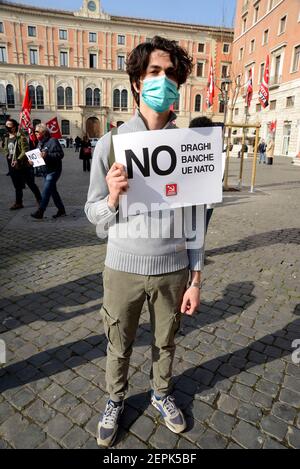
x=74, y=63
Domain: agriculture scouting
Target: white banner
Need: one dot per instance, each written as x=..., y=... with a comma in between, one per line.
x=35, y=157
x=170, y=168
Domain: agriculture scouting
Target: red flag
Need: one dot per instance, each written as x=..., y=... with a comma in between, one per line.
x=210, y=86
x=249, y=88
x=263, y=94
x=272, y=126
x=53, y=127
x=25, y=122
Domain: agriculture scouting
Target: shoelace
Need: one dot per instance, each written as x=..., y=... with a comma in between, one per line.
x=170, y=406
x=110, y=414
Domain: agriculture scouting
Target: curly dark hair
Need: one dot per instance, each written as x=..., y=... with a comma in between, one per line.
x=138, y=60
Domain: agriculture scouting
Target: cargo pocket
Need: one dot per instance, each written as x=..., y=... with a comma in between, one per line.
x=111, y=329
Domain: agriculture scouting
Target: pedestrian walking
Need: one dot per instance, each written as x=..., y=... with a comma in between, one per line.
x=262, y=151
x=86, y=153
x=138, y=267
x=15, y=147
x=52, y=153
x=270, y=151
x=77, y=143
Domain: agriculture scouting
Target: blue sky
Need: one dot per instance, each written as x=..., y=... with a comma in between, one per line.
x=209, y=12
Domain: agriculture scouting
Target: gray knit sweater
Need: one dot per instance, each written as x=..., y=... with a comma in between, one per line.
x=148, y=244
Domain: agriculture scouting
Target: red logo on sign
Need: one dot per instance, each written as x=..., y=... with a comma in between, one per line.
x=171, y=189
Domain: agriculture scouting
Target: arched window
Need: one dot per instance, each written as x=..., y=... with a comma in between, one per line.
x=10, y=96
x=198, y=103
x=69, y=98
x=89, y=97
x=116, y=99
x=124, y=100
x=40, y=97
x=97, y=97
x=60, y=97
x=31, y=90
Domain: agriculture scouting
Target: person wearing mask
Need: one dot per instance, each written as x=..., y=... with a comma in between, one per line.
x=52, y=153
x=21, y=173
x=139, y=267
x=86, y=153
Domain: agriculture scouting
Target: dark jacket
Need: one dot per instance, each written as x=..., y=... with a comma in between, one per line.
x=85, y=150
x=54, y=153
x=22, y=146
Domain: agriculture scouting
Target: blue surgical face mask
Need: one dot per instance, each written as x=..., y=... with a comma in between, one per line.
x=159, y=93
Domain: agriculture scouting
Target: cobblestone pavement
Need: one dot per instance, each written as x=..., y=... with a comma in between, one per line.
x=234, y=374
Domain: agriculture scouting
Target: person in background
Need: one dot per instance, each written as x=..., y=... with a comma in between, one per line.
x=53, y=154
x=77, y=143
x=15, y=147
x=86, y=153
x=270, y=151
x=262, y=151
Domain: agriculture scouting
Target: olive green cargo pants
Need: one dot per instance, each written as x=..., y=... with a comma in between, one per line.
x=124, y=296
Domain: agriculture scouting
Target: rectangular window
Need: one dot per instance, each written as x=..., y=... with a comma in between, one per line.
x=121, y=40
x=201, y=46
x=121, y=62
x=1, y=27
x=290, y=101
x=63, y=34
x=3, y=57
x=282, y=25
x=241, y=53
x=92, y=37
x=32, y=31
x=252, y=46
x=65, y=127
x=63, y=58
x=296, y=60
x=224, y=71
x=244, y=25
x=261, y=72
x=236, y=111
x=273, y=105
x=200, y=69
x=226, y=48
x=93, y=60
x=277, y=68
x=256, y=14
x=266, y=37
x=258, y=107
x=33, y=56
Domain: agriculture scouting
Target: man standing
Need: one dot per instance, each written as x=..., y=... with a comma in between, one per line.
x=262, y=151
x=139, y=268
x=15, y=147
x=52, y=153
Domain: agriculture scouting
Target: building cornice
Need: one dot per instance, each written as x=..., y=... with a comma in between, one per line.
x=65, y=14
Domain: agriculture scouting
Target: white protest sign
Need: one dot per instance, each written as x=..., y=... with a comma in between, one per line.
x=170, y=168
x=35, y=157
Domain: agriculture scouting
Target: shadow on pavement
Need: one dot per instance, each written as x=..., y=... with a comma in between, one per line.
x=284, y=236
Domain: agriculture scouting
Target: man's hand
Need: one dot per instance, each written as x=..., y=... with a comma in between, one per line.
x=14, y=164
x=117, y=181
x=30, y=162
x=191, y=301
x=43, y=154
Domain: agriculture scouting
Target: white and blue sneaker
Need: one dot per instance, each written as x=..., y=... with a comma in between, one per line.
x=109, y=423
x=171, y=414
